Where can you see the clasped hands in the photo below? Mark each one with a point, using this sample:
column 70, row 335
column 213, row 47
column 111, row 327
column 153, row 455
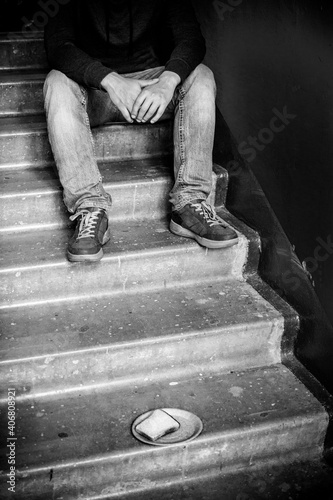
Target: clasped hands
column 141, row 100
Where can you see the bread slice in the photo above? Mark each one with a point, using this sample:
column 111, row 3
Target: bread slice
column 156, row 425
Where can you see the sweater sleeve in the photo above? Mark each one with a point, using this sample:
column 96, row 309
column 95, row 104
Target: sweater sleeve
column 65, row 56
column 190, row 47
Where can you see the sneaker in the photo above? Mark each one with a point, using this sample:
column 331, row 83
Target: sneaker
column 91, row 232
column 199, row 221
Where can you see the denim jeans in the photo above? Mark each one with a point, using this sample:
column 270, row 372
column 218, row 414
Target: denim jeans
column 72, row 111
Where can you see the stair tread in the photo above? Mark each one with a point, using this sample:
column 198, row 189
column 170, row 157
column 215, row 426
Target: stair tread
column 13, row 36
column 21, row 93
column 29, row 182
column 48, row 248
column 295, row 480
column 141, row 255
column 12, row 125
column 22, row 51
column 22, row 77
column 31, row 199
column 24, row 141
column 74, row 327
column 251, row 401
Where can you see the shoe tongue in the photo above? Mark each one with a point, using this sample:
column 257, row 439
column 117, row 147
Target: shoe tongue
column 195, row 202
column 95, row 209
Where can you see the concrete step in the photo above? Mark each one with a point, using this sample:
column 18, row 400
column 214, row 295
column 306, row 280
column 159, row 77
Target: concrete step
column 142, row 254
column 21, row 93
column 179, row 332
column 21, row 51
column 81, row 446
column 297, row 480
column 24, row 142
column 31, row 199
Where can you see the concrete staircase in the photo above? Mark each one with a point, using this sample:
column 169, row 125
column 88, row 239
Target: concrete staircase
column 160, row 322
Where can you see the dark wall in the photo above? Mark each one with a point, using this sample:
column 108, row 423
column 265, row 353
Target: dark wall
column 272, row 58
column 15, row 12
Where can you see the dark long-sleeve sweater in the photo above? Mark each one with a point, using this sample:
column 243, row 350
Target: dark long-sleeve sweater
column 88, row 39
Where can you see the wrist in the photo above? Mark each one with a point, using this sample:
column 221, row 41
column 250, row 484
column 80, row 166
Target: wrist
column 109, row 80
column 171, row 78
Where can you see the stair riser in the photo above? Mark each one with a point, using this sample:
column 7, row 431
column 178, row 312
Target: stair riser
column 21, row 99
column 114, row 142
column 150, row 468
column 45, row 208
column 130, row 201
column 174, row 358
column 22, row 53
column 118, row 275
column 24, row 149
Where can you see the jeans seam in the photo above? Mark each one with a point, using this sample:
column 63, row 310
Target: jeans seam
column 187, row 198
column 182, row 152
column 87, row 124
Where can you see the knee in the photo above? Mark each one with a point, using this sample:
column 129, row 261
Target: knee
column 204, row 77
column 59, row 91
column 54, row 80
column 57, row 85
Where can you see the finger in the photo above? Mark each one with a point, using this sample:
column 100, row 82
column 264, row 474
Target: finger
column 121, row 106
column 147, row 103
column 126, row 115
column 124, row 111
column 151, row 112
column 137, row 105
column 158, row 114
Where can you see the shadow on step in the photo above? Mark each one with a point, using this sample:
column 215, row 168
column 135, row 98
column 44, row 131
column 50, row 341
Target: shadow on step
column 310, row 336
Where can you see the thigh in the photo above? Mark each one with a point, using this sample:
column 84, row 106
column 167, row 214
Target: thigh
column 146, row 74
column 101, row 109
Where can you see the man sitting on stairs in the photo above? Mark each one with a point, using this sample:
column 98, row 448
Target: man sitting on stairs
column 139, row 61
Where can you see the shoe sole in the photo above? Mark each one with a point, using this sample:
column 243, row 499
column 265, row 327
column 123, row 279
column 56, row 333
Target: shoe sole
column 72, row 257
column 186, row 233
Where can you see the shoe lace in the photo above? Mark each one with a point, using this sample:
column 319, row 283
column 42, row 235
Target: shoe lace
column 208, row 213
column 88, row 222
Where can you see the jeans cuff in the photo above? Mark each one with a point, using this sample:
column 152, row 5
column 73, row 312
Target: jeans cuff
column 96, row 204
column 184, row 200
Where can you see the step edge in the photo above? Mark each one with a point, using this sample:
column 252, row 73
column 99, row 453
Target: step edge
column 10, row 36
column 57, row 190
column 184, row 245
column 181, row 248
column 164, row 339
column 50, row 163
column 22, row 78
column 236, row 434
column 76, row 298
